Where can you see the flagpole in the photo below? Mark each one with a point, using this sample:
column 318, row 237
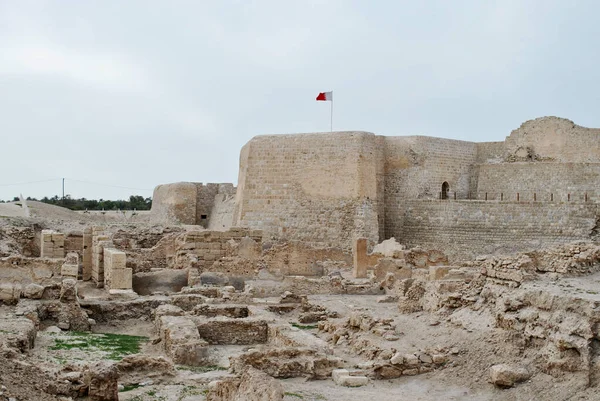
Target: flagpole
column 331, row 122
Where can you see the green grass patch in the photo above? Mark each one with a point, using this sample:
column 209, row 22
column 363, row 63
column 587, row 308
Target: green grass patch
column 294, row 395
column 116, row 345
column 304, row 327
column 189, row 391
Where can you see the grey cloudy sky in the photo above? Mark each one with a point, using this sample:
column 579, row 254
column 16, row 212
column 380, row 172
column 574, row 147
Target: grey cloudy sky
column 138, row 93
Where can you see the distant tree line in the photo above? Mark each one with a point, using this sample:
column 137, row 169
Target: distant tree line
column 136, row 202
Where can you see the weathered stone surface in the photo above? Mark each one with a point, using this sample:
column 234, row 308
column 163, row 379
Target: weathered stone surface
column 285, row 362
column 17, row 333
column 505, row 375
column 258, row 386
column 10, row 293
column 167, row 281
column 181, row 340
column 223, row 330
column 102, row 381
column 344, row 377
column 68, row 290
column 139, row 367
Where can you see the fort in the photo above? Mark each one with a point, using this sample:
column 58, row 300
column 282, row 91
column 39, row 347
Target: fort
column 340, row 267
column 537, row 187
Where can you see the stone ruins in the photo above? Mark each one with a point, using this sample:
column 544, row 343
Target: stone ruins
column 343, row 265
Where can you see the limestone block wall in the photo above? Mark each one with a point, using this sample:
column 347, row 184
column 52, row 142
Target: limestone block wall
column 221, row 217
column 175, row 203
column 207, row 197
column 206, row 247
column 188, row 202
column 74, row 242
column 116, row 275
column 100, row 240
column 416, row 168
column 87, row 254
column 541, row 178
column 490, row 152
column 465, row 229
column 71, row 266
column 318, row 188
column 52, row 244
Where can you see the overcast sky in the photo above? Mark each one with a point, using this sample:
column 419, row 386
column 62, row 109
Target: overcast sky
column 138, row 93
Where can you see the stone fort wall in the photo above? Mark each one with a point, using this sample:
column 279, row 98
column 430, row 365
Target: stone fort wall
column 542, row 178
column 193, row 203
column 465, row 229
column 322, row 189
column 327, row 189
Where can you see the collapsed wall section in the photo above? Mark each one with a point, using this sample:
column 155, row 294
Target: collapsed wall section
column 322, row 189
column 555, row 139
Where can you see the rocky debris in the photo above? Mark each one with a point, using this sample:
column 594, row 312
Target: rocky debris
column 226, row 331
column 17, row 333
column 70, row 316
column 256, row 385
column 404, row 363
column 344, row 377
column 10, row 293
column 33, row 291
column 68, row 291
column 573, row 259
column 505, row 375
column 290, row 298
column 133, row 369
column 396, row 267
column 187, row 302
column 418, row 258
column 167, row 310
column 233, row 311
column 312, row 313
column 252, row 385
column 207, row 291
column 107, row 311
column 101, row 379
column 390, row 248
column 286, row 362
column 163, row 281
column 410, row 300
column 181, row 340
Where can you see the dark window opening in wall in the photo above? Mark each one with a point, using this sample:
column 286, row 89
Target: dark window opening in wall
column 203, row 217
column 445, row 190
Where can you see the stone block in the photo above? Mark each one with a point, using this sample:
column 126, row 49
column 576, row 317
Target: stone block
column 69, row 270
column 343, row 377
column 360, row 258
column 121, row 279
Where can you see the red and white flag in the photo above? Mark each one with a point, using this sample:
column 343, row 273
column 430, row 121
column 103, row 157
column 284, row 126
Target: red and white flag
column 325, row 96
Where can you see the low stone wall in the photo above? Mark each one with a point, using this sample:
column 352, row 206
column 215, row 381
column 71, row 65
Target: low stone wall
column 224, row 330
column 207, row 247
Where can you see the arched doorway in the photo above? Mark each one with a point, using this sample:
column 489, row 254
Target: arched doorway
column 445, row 190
